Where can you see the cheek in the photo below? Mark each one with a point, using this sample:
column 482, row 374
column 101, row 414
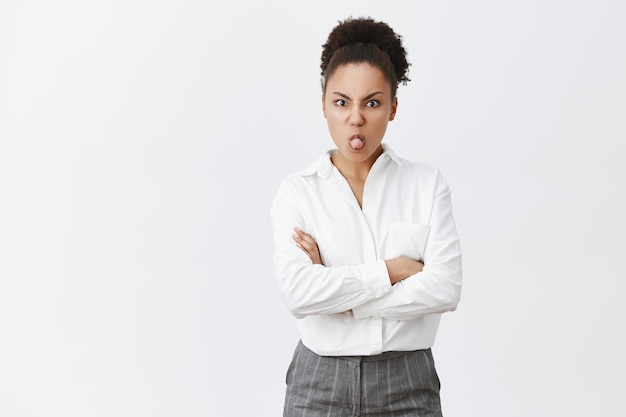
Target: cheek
column 332, row 110
column 382, row 121
column 333, row 117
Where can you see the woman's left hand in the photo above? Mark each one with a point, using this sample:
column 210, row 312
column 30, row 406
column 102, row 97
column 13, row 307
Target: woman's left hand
column 308, row 245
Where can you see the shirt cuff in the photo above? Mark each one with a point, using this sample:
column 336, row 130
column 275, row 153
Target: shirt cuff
column 376, row 277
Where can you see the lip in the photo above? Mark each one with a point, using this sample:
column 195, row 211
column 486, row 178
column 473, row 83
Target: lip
column 361, row 138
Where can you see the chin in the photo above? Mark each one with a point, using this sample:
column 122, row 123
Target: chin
column 358, row 156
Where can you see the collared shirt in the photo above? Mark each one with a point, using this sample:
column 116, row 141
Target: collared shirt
column 347, row 306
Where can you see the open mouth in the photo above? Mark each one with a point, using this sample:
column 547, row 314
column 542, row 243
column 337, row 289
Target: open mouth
column 357, row 142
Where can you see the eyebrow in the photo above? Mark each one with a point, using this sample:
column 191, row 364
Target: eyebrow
column 369, row 96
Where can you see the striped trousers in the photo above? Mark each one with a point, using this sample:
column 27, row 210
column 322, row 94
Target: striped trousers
column 392, row 384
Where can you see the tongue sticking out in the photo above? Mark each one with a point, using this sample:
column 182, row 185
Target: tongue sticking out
column 356, row 143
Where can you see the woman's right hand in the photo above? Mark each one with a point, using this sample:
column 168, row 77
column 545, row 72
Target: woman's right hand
column 402, row 267
column 308, row 245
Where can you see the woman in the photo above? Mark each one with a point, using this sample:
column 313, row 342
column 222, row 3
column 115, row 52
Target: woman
column 367, row 255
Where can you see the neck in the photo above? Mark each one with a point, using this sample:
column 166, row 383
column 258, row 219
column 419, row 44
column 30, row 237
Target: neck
column 355, row 169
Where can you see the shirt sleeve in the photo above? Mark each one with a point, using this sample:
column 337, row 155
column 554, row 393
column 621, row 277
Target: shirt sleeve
column 437, row 288
column 309, row 289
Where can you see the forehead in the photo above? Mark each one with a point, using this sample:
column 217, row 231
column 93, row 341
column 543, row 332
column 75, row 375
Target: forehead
column 357, row 79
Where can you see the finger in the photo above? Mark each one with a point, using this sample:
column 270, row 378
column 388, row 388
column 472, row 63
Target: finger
column 303, row 234
column 310, row 247
column 305, row 237
column 307, row 244
column 302, row 244
column 303, row 249
column 297, row 238
column 309, row 240
column 298, row 234
column 307, row 253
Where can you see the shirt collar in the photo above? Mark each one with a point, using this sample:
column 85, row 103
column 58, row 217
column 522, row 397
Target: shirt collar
column 323, row 166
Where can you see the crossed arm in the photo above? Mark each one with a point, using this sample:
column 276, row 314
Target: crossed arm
column 398, row 288
column 398, row 268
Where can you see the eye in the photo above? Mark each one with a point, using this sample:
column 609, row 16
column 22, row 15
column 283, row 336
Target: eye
column 341, row 102
column 373, row 103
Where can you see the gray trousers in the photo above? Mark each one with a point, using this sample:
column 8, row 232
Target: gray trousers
column 392, row 384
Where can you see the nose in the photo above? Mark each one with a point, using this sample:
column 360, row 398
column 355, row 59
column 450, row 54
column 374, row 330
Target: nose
column 356, row 118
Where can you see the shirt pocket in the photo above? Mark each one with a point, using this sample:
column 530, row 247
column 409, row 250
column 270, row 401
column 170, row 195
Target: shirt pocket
column 406, row 239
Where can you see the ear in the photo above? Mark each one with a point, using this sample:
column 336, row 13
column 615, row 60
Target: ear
column 324, row 105
column 394, row 108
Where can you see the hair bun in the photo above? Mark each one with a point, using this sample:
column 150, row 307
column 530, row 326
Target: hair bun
column 367, row 31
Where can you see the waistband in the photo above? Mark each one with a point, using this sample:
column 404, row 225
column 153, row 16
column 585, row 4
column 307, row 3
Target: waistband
column 392, row 354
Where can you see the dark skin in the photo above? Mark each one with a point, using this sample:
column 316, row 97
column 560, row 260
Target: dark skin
column 358, row 99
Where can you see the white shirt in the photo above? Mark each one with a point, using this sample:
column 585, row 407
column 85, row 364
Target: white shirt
column 348, row 306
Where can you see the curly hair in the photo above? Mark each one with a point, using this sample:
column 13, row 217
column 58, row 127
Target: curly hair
column 363, row 39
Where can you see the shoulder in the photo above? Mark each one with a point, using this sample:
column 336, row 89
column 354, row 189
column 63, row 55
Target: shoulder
column 320, row 168
column 420, row 168
column 299, row 181
column 411, row 167
column 422, row 175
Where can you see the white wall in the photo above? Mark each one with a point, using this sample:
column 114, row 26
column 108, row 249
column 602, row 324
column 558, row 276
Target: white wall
column 140, row 146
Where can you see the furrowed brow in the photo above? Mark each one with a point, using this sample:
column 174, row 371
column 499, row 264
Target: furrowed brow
column 372, row 95
column 342, row 95
column 366, row 98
